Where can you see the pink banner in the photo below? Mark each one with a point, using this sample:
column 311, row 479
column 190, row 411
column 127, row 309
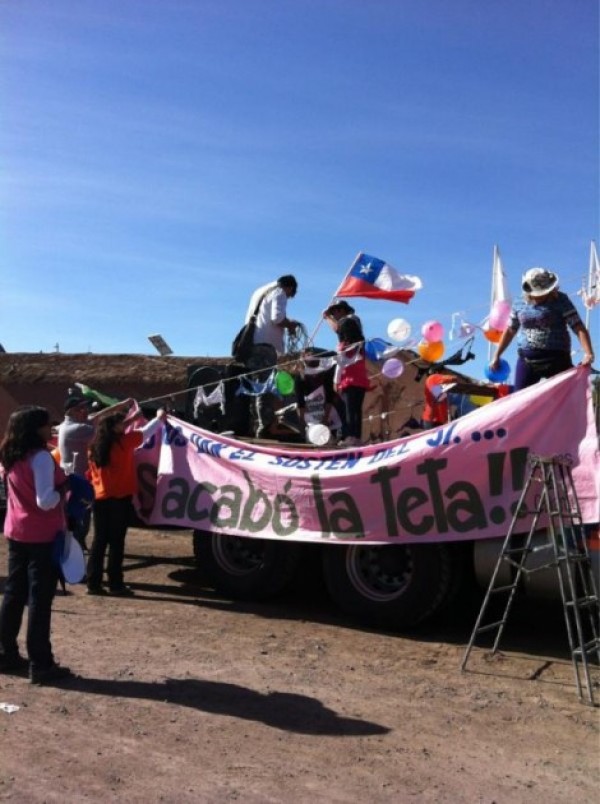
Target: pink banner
column 460, row 481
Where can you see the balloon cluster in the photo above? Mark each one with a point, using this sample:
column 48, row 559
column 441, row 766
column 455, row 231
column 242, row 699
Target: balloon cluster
column 431, row 348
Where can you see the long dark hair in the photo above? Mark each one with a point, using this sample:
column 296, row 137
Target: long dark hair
column 22, row 434
column 104, row 439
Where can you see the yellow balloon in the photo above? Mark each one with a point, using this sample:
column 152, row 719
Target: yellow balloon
column 431, row 352
column 480, row 400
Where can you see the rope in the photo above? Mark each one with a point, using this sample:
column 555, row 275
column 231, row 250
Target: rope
column 290, row 363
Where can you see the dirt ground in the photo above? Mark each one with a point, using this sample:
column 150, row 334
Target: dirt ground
column 185, row 696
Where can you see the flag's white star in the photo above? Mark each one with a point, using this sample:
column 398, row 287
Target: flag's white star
column 367, row 268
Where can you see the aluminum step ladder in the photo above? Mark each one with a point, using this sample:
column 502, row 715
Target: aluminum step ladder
column 549, row 482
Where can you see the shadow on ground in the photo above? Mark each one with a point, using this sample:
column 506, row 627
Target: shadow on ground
column 280, row 710
column 535, row 627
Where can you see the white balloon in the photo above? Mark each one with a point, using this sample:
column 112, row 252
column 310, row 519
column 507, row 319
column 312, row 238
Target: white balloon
column 399, row 329
column 318, row 434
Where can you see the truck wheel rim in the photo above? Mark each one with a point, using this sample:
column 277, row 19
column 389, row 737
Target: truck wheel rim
column 379, row 573
column 238, row 556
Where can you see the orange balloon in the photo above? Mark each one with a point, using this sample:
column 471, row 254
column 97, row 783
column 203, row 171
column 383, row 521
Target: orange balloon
column 431, row 351
column 493, row 335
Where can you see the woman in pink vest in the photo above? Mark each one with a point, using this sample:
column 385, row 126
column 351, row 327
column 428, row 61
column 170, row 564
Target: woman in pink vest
column 35, row 515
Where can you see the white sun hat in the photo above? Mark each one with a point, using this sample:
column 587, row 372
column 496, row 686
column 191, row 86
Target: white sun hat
column 538, row 282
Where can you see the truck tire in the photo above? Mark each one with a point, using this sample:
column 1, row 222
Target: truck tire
column 246, row 568
column 391, row 586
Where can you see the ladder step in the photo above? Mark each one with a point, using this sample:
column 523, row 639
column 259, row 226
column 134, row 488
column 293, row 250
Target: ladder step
column 582, row 602
column 573, row 558
column 483, row 628
column 588, row 647
column 498, row 589
column 508, row 551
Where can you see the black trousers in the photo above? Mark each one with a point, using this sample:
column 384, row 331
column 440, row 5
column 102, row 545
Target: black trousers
column 353, row 399
column 31, row 582
column 111, row 519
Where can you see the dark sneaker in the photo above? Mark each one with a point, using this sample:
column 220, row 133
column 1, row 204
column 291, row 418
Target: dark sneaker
column 96, row 590
column 49, row 675
column 14, row 665
column 121, row 591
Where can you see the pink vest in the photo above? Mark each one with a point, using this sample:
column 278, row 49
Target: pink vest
column 25, row 521
column 354, row 374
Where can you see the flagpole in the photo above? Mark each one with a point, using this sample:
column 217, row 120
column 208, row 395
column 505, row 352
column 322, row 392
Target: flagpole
column 311, row 337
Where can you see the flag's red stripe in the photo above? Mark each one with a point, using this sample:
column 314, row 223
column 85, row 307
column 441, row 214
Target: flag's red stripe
column 351, row 286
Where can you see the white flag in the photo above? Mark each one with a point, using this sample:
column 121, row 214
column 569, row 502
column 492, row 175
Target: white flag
column 500, row 291
column 591, row 294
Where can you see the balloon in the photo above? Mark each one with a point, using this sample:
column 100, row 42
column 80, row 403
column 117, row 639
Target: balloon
column 499, row 315
column 375, row 348
column 493, row 335
column 479, row 401
column 399, row 329
column 284, row 383
column 501, row 374
column 431, row 351
column 432, row 331
column 392, row 368
column 318, row 434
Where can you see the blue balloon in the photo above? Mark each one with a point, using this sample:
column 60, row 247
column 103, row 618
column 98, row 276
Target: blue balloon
column 375, row 348
column 501, row 374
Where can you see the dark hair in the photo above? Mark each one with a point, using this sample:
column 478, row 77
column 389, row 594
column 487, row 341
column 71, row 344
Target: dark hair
column 288, row 281
column 340, row 306
column 22, row 434
column 104, row 439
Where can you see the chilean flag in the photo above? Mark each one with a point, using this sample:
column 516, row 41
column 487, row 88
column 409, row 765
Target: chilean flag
column 375, row 279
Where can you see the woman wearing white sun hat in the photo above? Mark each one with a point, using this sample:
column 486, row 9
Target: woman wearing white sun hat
column 542, row 320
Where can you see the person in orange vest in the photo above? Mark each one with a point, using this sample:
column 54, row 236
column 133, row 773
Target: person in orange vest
column 436, row 409
column 112, row 474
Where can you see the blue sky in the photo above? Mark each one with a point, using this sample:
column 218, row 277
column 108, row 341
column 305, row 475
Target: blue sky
column 162, row 158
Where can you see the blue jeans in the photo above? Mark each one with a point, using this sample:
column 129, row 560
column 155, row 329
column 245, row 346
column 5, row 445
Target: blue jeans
column 263, row 361
column 32, row 577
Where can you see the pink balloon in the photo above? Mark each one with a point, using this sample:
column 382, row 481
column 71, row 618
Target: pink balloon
column 432, row 331
column 392, row 368
column 499, row 315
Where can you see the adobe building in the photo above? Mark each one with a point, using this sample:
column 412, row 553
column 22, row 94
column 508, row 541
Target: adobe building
column 391, row 407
